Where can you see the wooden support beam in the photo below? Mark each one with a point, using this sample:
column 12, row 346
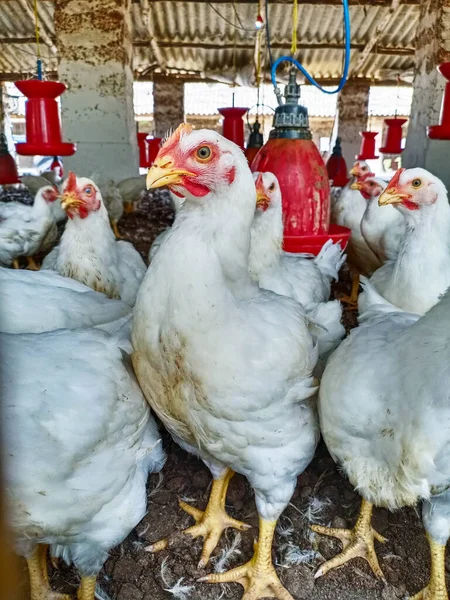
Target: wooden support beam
column 147, row 18
column 390, row 16
column 369, row 3
column 278, row 45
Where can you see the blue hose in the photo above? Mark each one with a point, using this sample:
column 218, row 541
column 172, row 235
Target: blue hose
column 311, row 79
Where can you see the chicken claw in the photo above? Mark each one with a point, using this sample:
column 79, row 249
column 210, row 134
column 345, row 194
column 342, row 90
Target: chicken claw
column 357, row 542
column 210, row 523
column 39, row 585
column 352, row 300
column 32, row 266
column 436, row 589
column 258, row 577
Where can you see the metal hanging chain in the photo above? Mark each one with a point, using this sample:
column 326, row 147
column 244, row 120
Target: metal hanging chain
column 38, row 44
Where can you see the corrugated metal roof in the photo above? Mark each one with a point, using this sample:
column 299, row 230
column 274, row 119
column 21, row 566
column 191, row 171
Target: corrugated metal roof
column 196, row 37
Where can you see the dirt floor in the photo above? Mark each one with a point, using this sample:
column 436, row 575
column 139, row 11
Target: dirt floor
column 322, row 496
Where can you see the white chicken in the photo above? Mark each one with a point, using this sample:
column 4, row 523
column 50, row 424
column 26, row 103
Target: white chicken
column 27, row 230
column 383, row 228
column 131, row 190
column 226, row 366
column 420, row 274
column 35, row 182
column 348, row 211
column 88, row 250
column 79, row 444
column 307, row 280
column 112, row 199
column 176, row 203
column 34, row 302
column 385, row 417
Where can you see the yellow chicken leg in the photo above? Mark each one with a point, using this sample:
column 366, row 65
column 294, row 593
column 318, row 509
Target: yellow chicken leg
column 258, row 577
column 128, row 207
column 436, row 589
column 16, row 263
column 210, row 523
column 356, row 542
column 86, row 591
column 116, row 230
column 32, row 266
column 352, row 300
column 39, row 585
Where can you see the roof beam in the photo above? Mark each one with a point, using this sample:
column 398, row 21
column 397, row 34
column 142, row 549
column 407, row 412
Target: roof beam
column 389, row 17
column 403, row 51
column 147, row 18
column 375, row 3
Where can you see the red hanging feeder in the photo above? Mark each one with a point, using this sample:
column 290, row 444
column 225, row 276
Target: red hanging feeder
column 233, row 124
column 337, row 167
column 394, row 134
column 57, row 166
column 153, row 146
column 42, row 121
column 293, row 157
column 8, row 167
column 442, row 131
column 367, row 150
column 143, row 149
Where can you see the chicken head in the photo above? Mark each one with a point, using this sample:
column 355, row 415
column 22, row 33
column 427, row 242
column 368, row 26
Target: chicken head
column 194, row 164
column 81, row 197
column 412, row 190
column 268, row 193
column 49, row 193
column 359, row 169
column 370, row 187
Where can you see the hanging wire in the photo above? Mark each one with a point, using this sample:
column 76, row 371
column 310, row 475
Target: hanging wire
column 269, row 47
column 294, row 28
column 38, row 44
column 397, row 100
column 227, row 20
column 311, row 79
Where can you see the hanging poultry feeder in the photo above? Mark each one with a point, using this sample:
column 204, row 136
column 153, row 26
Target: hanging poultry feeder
column 394, row 134
column 442, row 131
column 337, row 167
column 8, row 167
column 233, row 124
column 367, row 150
column 293, row 157
column 143, row 150
column 255, row 142
column 153, row 146
column 57, row 167
column 42, row 120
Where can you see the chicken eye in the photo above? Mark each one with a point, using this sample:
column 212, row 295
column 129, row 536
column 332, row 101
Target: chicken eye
column 88, row 190
column 416, row 183
column 204, row 153
column 271, row 187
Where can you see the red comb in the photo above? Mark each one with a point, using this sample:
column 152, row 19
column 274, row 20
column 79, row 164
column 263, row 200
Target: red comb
column 259, row 181
column 174, row 138
column 395, row 180
column 71, row 182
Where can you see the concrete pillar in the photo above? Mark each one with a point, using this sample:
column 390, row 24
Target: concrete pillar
column 432, row 48
column 352, row 114
column 95, row 55
column 168, row 104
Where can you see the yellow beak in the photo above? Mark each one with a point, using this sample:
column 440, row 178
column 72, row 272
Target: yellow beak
column 70, row 200
column 354, row 171
column 163, row 173
column 262, row 199
column 356, row 186
column 391, row 196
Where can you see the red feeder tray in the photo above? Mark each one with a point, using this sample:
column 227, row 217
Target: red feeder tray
column 312, row 244
column 153, row 146
column 393, row 141
column 233, row 124
column 42, row 121
column 8, row 167
column 367, row 150
column 442, row 131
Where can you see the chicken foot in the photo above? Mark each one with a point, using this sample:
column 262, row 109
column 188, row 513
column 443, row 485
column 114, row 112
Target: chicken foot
column 86, row 591
column 352, row 300
column 210, row 523
column 436, row 589
column 39, row 582
column 32, row 266
column 16, row 263
column 356, row 542
column 258, row 577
